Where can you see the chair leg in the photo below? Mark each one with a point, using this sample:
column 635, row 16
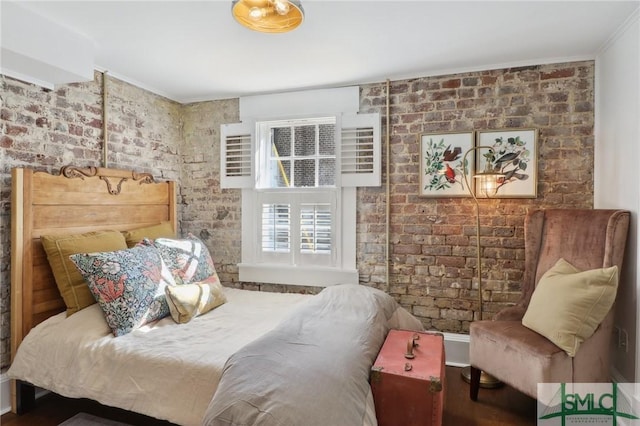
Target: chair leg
column 475, row 383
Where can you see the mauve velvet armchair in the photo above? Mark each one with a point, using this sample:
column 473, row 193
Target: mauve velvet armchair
column 522, row 358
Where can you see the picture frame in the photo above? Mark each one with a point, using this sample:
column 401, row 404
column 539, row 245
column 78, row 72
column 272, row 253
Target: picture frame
column 515, row 154
column 441, row 168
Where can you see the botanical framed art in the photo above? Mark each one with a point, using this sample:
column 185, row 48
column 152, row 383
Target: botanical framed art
column 514, row 154
column 441, row 164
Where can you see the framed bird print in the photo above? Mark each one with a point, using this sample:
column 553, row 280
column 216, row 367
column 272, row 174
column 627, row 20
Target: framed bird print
column 513, row 153
column 442, row 166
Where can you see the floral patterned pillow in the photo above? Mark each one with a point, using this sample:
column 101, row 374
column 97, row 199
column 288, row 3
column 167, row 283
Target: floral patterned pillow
column 127, row 284
column 188, row 259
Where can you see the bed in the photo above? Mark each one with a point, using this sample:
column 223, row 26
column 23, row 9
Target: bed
column 260, row 358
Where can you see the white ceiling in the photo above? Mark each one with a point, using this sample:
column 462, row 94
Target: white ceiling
column 194, row 50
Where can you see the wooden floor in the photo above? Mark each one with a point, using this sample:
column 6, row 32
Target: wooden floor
column 502, row 406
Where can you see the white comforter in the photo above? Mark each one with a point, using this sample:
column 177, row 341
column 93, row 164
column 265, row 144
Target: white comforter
column 165, row 370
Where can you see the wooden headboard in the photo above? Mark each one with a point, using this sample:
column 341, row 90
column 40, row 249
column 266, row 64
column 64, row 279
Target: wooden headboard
column 74, row 201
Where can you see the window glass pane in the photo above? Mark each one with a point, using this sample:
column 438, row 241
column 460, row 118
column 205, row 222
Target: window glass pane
column 305, row 173
column 276, row 227
column 327, row 142
column 281, row 141
column 300, row 154
column 315, row 228
column 280, row 174
column 305, row 141
column 327, row 172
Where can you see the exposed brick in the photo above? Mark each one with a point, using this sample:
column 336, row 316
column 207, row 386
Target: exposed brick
column 42, row 122
column 75, row 130
column 451, row 84
column 470, row 81
column 486, row 92
column 489, row 79
column 442, row 95
column 6, row 114
column 583, row 106
column 558, row 97
column 5, row 141
column 411, row 118
column 560, row 73
column 466, row 93
column 12, row 130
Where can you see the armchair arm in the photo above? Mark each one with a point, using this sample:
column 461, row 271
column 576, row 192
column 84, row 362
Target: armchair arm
column 512, row 313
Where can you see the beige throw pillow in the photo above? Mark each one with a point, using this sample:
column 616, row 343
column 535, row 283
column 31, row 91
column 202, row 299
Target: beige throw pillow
column 73, row 288
column 187, row 301
column 568, row 305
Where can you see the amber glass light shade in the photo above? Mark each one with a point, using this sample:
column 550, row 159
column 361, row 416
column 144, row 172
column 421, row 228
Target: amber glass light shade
column 268, row 16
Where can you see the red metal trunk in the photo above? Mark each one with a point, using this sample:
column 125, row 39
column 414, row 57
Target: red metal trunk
column 407, row 379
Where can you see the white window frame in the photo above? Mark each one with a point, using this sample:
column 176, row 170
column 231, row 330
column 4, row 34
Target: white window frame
column 358, row 158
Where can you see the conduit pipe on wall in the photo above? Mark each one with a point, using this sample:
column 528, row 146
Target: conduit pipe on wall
column 105, row 138
column 388, row 195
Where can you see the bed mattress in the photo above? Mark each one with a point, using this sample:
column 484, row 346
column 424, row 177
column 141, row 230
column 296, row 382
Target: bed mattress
column 165, row 370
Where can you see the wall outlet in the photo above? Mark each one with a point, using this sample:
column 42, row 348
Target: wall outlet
column 623, row 339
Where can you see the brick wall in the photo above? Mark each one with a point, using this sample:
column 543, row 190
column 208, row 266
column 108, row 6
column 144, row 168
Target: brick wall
column 433, row 251
column 210, row 213
column 432, row 240
column 44, row 130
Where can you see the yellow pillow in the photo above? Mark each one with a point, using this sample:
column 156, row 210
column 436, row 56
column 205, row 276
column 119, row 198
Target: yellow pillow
column 161, row 230
column 187, row 301
column 568, row 305
column 73, row 288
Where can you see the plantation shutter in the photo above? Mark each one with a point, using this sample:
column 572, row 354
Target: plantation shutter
column 360, row 149
column 236, row 155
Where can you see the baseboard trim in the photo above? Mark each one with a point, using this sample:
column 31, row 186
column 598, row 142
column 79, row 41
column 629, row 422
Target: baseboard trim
column 5, row 393
column 616, row 376
column 456, row 347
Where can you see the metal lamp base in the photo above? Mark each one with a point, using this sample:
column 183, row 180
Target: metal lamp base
column 487, row 381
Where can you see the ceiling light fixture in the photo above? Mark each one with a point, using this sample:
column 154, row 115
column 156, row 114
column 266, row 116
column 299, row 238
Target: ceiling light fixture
column 268, row 16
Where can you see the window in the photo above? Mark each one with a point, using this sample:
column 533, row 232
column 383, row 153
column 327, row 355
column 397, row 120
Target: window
column 298, row 180
column 297, row 192
column 298, row 154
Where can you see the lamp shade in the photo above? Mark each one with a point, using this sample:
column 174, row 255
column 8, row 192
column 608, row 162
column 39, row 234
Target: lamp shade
column 487, row 183
column 268, row 16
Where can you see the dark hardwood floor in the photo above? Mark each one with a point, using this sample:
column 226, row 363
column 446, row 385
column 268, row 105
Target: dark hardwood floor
column 502, row 406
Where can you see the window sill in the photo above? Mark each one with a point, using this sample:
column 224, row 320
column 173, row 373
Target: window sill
column 296, row 275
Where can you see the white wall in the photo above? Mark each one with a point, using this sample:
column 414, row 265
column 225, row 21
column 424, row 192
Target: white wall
column 617, row 171
column 40, row 51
